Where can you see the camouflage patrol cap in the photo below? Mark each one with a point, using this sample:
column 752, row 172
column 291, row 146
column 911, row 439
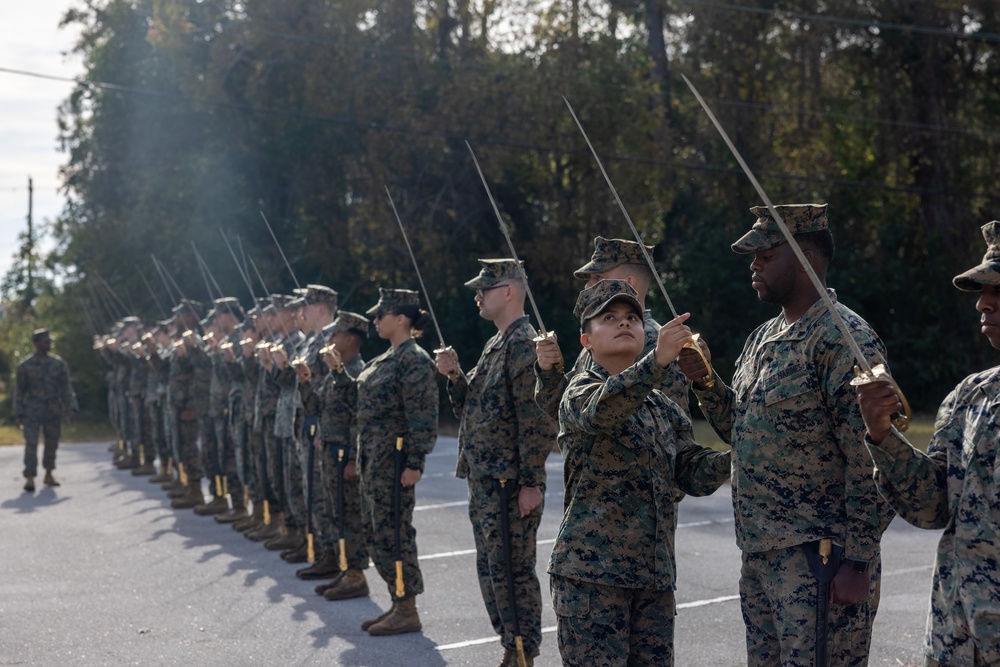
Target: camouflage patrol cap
column 765, row 234
column 39, row 334
column 988, row 272
column 313, row 294
column 609, row 253
column 230, row 305
column 347, row 322
column 131, row 321
column 391, row 299
column 593, row 300
column 193, row 307
column 281, row 301
column 495, row 270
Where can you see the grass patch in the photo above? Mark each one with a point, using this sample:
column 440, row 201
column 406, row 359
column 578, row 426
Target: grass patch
column 78, row 431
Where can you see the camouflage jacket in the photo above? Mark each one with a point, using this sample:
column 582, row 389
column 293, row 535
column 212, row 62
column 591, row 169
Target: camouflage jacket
column 800, row 469
column 338, row 395
column 955, row 486
column 398, row 397
column 627, row 450
column 502, row 434
column 311, row 402
column 179, row 379
column 218, row 386
column 201, row 379
column 137, row 378
column 42, row 388
column 550, row 385
column 289, row 403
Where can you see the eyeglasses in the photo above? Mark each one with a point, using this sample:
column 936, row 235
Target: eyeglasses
column 482, row 290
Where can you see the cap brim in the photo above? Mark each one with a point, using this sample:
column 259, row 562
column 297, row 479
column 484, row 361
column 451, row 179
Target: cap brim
column 479, row 282
column 597, row 310
column 754, row 241
column 987, row 273
column 592, row 267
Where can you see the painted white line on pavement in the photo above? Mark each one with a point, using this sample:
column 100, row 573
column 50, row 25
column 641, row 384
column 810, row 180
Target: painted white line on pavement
column 466, row 552
column 457, row 503
column 702, row 603
column 908, row 570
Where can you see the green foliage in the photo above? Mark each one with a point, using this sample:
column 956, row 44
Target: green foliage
column 308, row 110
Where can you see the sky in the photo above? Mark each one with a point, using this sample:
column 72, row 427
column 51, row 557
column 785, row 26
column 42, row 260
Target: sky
column 31, row 40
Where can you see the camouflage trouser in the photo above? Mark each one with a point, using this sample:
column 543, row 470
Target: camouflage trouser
column 606, row 626
column 226, row 457
column 209, row 450
column 778, row 595
column 144, row 430
column 295, row 495
column 484, row 513
column 256, row 464
column 377, row 482
column 187, row 443
column 157, row 432
column 275, row 466
column 51, row 427
column 328, row 520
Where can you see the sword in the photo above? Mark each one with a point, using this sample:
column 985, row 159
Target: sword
column 341, row 523
column 280, row 250
column 310, row 426
column 863, row 371
column 416, row 268
column 510, row 244
column 709, row 378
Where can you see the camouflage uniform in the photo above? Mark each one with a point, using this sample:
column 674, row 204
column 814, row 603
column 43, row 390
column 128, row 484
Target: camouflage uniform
column 627, row 450
column 550, row 384
column 338, row 396
column 142, row 445
column 183, row 400
column 201, row 396
column 397, row 398
column 155, row 390
column 955, row 486
column 800, row 472
column 287, row 422
column 503, row 435
column 43, row 395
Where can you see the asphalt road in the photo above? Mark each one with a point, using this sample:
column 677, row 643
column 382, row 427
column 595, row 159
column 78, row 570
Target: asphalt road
column 101, row 571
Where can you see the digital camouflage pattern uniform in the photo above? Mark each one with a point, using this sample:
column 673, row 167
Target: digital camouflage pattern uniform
column 956, row 486
column 550, row 384
column 180, row 387
column 628, row 449
column 338, row 395
column 800, row 470
column 397, row 398
column 287, row 421
column 503, row 435
column 43, row 395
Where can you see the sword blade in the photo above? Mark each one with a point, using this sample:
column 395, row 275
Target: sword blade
column 510, row 244
column 845, row 331
column 427, row 297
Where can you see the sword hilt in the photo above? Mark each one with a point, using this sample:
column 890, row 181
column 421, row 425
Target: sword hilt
column 709, row 378
column 879, row 374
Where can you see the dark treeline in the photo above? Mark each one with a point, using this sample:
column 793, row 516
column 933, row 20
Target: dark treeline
column 196, row 115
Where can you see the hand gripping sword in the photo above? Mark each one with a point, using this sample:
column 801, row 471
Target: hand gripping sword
column 863, row 371
column 709, row 378
column 510, row 244
column 427, row 297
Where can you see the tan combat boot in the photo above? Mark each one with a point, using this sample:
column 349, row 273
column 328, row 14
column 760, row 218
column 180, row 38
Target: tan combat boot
column 366, row 625
column 251, row 521
column 146, row 468
column 29, row 484
column 163, row 477
column 402, row 619
column 352, row 584
column 290, row 538
column 218, row 505
column 510, row 659
column 50, row 480
column 191, row 498
column 268, row 531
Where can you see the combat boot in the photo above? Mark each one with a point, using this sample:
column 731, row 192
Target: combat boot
column 268, row 531
column 290, row 538
column 191, row 498
column 50, row 480
column 299, row 554
column 352, row 585
column 146, row 468
column 402, row 619
column 233, row 515
column 163, row 477
column 510, row 659
column 325, row 567
column 29, row 484
column 323, row 588
column 127, row 462
column 217, row 505
column 371, row 622
column 251, row 520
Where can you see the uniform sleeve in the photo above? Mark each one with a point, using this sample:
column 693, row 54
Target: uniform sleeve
column 340, row 412
column 535, row 430
column 914, row 483
column 549, row 388
column 418, row 386
column 592, row 407
column 68, row 396
column 866, row 514
column 20, row 387
column 457, row 391
column 699, row 470
column 717, row 406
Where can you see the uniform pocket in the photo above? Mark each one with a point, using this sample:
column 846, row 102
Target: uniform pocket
column 793, row 388
column 570, row 600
